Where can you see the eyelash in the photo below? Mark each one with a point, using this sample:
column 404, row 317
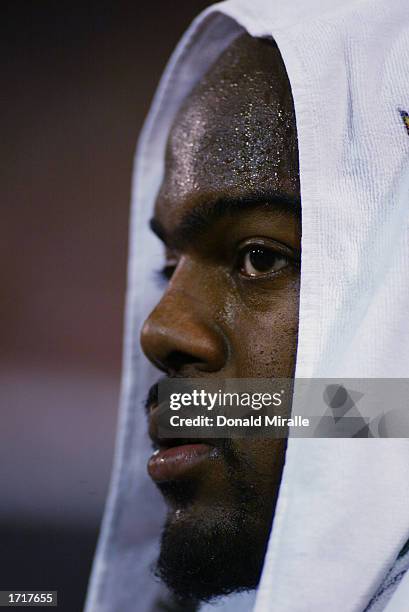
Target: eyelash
column 163, row 275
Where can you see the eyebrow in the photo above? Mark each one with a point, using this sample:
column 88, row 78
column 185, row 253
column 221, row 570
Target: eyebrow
column 198, row 220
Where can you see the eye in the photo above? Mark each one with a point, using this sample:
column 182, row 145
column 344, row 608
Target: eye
column 167, row 271
column 257, row 260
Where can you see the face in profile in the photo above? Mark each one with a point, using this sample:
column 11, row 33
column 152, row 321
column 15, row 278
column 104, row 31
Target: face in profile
column 228, row 213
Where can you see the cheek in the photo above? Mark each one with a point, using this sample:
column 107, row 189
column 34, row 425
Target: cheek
column 266, row 458
column 263, row 336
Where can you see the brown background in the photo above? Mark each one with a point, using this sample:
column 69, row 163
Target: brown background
column 76, row 82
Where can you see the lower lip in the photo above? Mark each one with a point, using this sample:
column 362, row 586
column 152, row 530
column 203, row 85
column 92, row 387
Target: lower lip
column 176, row 462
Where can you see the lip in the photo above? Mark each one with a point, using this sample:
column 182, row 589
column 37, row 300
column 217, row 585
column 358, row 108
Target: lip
column 177, row 461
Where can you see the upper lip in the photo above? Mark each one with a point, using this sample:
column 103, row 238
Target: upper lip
column 159, row 443
column 163, row 443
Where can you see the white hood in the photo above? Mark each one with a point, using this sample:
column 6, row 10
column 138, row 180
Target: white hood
column 343, row 509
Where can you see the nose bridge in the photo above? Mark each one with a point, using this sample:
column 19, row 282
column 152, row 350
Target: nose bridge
column 182, row 330
column 189, row 292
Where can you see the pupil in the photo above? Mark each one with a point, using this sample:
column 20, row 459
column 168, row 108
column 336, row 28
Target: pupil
column 262, row 259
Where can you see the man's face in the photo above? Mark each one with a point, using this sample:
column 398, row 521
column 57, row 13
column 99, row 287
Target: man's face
column 228, row 213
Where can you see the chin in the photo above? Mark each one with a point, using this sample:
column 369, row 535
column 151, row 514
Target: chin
column 210, row 551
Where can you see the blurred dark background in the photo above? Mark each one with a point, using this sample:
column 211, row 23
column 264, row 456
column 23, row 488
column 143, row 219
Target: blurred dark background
column 76, row 82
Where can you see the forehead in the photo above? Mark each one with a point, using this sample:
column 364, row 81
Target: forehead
column 235, row 135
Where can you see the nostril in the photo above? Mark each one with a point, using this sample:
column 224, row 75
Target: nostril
column 176, row 360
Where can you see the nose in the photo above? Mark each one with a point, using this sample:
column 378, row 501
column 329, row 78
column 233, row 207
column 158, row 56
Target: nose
column 179, row 338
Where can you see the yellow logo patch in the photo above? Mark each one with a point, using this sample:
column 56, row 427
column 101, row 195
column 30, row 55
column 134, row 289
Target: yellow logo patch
column 405, row 119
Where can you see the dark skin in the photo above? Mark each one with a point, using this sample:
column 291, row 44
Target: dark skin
column 230, row 308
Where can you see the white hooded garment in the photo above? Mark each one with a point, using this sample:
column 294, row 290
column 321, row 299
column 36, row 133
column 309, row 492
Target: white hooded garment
column 343, row 509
